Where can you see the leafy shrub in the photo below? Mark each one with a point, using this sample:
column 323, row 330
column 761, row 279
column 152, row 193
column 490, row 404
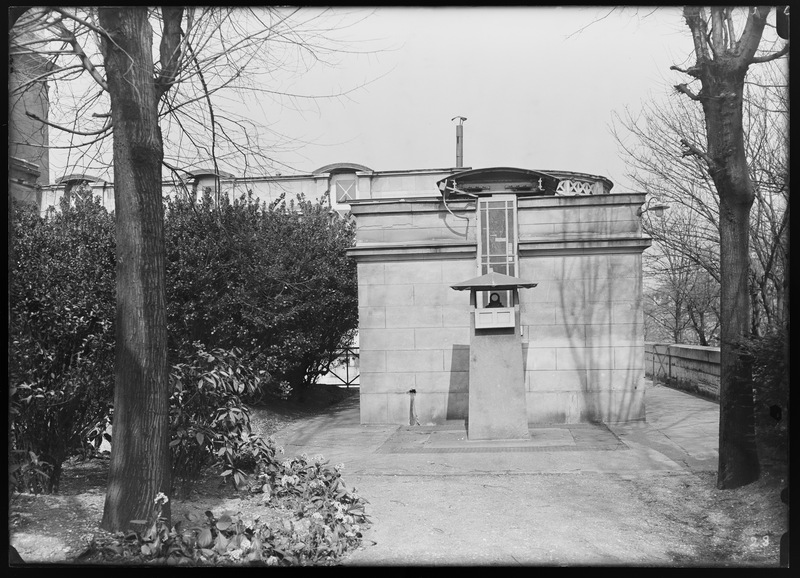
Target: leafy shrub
column 328, row 522
column 274, row 281
column 209, row 424
column 61, row 351
column 771, row 387
column 26, row 473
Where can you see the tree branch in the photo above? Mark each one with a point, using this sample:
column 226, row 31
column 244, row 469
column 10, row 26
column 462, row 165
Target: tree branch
column 170, row 54
column 211, row 114
column 691, row 71
column 731, row 31
column 688, row 149
column 70, row 38
column 80, row 21
column 718, row 29
column 105, row 128
column 751, row 35
column 682, row 88
column 695, row 19
column 768, row 57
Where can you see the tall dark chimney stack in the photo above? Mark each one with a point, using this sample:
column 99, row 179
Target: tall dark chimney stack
column 459, row 140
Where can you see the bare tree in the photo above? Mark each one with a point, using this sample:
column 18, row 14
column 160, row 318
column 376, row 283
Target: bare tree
column 649, row 142
column 689, row 231
column 722, row 61
column 233, row 63
column 766, row 113
column 712, row 164
column 149, row 107
column 681, row 300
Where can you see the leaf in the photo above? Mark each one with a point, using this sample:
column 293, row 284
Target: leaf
column 221, row 544
column 224, row 522
column 238, row 479
column 205, row 538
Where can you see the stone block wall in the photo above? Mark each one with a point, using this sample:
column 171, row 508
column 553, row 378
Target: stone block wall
column 582, row 326
column 414, row 333
column 414, row 330
column 583, row 338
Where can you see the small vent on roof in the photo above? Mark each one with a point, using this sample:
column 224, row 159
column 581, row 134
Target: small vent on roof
column 459, row 140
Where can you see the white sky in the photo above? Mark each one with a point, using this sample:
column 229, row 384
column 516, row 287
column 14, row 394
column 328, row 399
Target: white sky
column 537, row 85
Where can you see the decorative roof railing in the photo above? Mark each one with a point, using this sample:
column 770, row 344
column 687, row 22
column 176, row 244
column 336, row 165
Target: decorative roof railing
column 581, row 184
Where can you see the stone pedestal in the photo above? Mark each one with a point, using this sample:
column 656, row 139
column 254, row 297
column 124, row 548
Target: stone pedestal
column 497, row 408
column 497, row 401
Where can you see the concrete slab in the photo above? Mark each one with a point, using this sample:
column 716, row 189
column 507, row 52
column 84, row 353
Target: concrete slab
column 437, row 498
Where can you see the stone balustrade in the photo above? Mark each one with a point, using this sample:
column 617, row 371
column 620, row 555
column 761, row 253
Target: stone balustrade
column 691, row 368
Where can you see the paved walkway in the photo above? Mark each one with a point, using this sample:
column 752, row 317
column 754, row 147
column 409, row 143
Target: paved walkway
column 436, row 497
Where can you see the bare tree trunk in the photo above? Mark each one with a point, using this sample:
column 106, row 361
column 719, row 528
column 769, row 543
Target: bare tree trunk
column 140, row 464
column 738, row 458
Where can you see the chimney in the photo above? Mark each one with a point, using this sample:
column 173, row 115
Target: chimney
column 459, row 140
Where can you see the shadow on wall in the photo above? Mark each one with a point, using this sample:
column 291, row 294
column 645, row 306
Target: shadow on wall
column 598, row 294
column 458, row 393
column 458, row 225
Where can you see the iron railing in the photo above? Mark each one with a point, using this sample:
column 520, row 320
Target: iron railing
column 345, row 370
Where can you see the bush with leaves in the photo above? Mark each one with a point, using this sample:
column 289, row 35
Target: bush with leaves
column 61, row 349
column 209, row 423
column 771, row 387
column 327, row 523
column 273, row 280
column 26, row 473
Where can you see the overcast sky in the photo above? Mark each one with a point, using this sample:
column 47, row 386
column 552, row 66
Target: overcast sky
column 538, row 87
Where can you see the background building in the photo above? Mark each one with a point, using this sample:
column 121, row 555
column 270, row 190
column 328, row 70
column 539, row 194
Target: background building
column 28, row 158
column 420, row 231
column 582, row 326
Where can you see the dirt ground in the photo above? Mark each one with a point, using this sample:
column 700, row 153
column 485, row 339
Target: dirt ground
column 672, row 519
column 740, row 527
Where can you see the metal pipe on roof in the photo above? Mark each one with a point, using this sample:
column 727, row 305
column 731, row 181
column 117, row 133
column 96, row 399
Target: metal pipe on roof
column 459, row 140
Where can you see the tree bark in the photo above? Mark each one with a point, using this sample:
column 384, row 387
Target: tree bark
column 738, row 457
column 140, row 459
